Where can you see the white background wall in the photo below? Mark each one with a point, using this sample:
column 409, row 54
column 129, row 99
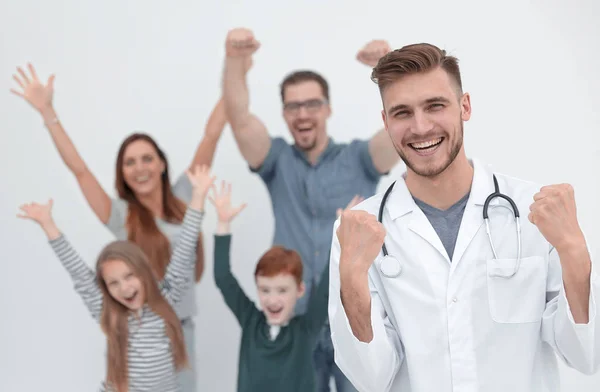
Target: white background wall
column 531, row 67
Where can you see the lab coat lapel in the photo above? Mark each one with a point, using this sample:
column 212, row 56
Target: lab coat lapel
column 421, row 226
column 472, row 221
column 401, row 203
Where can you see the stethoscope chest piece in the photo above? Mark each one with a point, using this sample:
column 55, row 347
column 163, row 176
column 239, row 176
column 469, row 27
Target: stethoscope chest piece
column 390, row 266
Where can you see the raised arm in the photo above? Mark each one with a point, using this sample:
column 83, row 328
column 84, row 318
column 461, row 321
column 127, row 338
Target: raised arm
column 84, row 279
column 205, row 152
column 237, row 301
column 316, row 314
column 382, row 150
column 250, row 133
column 40, row 98
column 177, row 276
column 570, row 323
column 368, row 349
column 204, row 155
column 317, row 305
column 233, row 294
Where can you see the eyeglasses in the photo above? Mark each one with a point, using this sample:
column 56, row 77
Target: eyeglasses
column 312, row 105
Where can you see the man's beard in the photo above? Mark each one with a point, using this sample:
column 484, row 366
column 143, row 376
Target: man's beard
column 306, row 147
column 435, row 171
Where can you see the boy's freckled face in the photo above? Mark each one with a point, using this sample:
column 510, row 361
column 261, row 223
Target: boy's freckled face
column 277, row 297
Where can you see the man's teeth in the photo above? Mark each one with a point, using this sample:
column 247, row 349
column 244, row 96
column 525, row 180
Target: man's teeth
column 427, row 143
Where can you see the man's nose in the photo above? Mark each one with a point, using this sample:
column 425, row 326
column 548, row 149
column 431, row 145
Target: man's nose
column 422, row 123
column 303, row 112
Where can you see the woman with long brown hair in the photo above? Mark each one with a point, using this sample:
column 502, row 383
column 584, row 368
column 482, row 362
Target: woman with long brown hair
column 145, row 342
column 148, row 209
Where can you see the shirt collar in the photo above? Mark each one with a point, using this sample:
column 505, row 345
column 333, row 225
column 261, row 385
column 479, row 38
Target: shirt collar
column 331, row 147
column 401, row 201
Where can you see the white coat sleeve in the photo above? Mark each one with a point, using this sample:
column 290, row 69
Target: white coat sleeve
column 578, row 345
column 371, row 367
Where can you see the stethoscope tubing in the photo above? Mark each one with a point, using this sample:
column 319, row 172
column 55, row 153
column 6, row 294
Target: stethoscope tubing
column 391, row 267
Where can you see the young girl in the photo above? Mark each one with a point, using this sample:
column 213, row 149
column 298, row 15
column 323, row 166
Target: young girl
column 145, row 344
column 149, row 210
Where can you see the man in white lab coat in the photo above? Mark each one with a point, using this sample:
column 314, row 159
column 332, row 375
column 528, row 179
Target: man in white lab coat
column 457, row 318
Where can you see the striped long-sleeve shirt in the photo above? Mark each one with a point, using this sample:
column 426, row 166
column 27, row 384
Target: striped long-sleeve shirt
column 150, row 359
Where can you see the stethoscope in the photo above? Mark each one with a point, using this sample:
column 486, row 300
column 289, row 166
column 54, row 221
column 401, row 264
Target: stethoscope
column 391, row 267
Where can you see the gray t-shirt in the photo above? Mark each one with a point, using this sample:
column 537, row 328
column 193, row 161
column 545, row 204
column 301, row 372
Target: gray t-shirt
column 116, row 224
column 446, row 223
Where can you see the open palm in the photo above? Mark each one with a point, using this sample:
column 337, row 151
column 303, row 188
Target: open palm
column 32, row 90
column 41, row 213
column 201, row 179
column 222, row 202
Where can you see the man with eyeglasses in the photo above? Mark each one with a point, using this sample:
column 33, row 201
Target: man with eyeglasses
column 311, row 180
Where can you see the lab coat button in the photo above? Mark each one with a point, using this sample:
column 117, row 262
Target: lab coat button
column 454, row 299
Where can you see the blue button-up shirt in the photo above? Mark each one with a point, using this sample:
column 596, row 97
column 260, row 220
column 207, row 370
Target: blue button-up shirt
column 305, row 197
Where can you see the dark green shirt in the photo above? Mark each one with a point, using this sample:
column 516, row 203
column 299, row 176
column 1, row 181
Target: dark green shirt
column 283, row 364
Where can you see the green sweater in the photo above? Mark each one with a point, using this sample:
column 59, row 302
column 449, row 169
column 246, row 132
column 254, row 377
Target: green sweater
column 286, row 363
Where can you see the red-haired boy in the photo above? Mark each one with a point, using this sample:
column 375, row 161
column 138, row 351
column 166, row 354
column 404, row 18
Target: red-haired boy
column 276, row 347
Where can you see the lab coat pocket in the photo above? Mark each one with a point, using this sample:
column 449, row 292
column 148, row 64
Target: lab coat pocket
column 520, row 298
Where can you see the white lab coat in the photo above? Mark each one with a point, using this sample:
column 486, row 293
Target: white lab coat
column 446, row 326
